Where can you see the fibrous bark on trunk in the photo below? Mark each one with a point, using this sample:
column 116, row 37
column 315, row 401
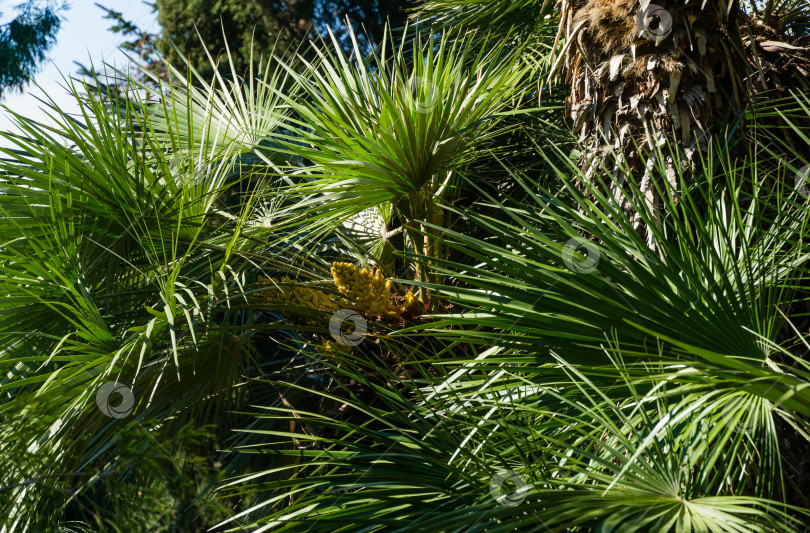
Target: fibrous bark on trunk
column 649, row 83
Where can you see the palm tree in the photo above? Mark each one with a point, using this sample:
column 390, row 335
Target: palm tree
column 119, row 265
column 389, row 135
column 650, row 85
column 577, row 382
column 185, row 253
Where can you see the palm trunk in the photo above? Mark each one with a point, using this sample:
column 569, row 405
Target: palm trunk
column 648, row 85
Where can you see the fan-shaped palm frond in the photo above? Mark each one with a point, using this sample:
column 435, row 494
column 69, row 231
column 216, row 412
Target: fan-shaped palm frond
column 119, row 264
column 563, row 278
column 384, row 130
column 610, row 447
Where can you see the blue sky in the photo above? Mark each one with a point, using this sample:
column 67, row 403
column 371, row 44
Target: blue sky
column 83, row 36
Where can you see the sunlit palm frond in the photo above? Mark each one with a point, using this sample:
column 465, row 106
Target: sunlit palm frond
column 395, row 128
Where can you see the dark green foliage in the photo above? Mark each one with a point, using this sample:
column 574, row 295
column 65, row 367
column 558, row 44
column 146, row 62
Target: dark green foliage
column 254, row 29
column 24, row 42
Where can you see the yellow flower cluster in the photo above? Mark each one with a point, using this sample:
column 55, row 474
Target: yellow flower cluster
column 370, row 292
column 293, row 294
column 410, row 300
